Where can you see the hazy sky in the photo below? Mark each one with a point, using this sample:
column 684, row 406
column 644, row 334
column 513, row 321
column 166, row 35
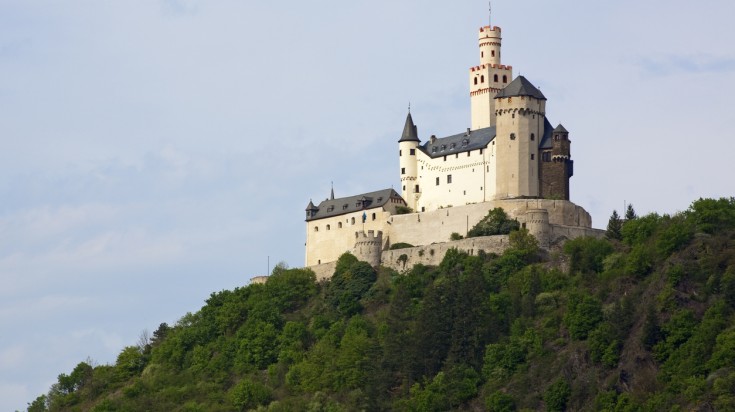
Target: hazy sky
column 153, row 152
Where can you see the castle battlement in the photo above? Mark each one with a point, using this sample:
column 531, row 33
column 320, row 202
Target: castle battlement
column 491, row 66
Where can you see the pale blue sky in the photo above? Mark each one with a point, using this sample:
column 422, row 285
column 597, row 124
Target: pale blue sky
column 154, row 152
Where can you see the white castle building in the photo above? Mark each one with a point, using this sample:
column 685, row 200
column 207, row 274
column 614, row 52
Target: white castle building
column 510, row 157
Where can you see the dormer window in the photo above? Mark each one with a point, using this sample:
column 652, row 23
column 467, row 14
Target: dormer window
column 452, row 146
column 344, row 206
column 444, row 147
column 330, row 208
column 433, row 149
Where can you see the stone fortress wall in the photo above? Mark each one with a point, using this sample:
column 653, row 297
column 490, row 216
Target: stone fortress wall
column 550, row 221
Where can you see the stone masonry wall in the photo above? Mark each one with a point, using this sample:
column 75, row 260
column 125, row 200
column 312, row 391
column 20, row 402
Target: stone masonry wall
column 433, row 254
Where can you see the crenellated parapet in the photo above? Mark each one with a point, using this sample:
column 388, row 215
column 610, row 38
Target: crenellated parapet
column 369, row 246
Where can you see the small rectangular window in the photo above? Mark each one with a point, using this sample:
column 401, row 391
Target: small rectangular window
column 532, row 156
column 416, row 189
column 449, row 178
column 437, row 181
column 413, row 152
column 403, row 170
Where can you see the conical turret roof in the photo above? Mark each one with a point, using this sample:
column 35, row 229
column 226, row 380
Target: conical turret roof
column 560, row 129
column 311, row 206
column 521, row 87
column 410, row 134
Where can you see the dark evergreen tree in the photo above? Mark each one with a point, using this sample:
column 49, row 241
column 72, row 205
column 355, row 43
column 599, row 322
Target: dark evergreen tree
column 630, row 213
column 613, row 226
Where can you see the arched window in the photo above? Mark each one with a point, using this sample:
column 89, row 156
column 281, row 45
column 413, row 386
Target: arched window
column 475, row 80
column 316, row 228
column 329, row 227
column 339, row 225
column 505, row 79
column 482, row 79
column 495, row 78
column 482, row 54
column 533, row 137
column 373, row 216
column 492, row 53
column 352, row 221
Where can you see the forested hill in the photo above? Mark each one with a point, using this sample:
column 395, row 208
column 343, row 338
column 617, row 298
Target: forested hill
column 641, row 321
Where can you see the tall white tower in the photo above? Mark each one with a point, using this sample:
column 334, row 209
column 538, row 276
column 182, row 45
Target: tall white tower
column 487, row 79
column 407, row 148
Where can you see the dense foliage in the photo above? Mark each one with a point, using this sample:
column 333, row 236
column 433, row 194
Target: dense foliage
column 495, row 223
column 643, row 323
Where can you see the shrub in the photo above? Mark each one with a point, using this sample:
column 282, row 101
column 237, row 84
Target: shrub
column 400, row 245
column 557, row 396
column 587, row 254
column 495, row 223
column 583, row 316
column 499, row 402
column 403, row 210
column 455, row 236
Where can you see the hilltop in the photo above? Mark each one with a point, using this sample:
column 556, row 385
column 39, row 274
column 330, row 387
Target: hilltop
column 641, row 320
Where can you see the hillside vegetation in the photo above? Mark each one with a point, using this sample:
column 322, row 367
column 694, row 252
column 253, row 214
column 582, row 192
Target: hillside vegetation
column 642, row 321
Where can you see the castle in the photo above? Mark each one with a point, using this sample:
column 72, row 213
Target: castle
column 510, row 157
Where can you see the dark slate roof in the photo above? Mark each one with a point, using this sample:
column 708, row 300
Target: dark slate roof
column 545, row 142
column 410, row 133
column 560, row 129
column 458, row 143
column 344, row 205
column 520, row 87
column 310, row 206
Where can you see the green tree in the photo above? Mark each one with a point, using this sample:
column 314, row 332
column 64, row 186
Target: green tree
column 614, row 225
column 557, row 396
column 500, row 402
column 495, row 223
column 630, row 213
column 38, row 405
column 711, row 215
column 249, row 394
column 584, row 313
column 587, row 254
column 129, row 362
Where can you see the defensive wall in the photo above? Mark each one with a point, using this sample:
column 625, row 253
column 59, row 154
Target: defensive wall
column 550, row 221
column 432, row 255
column 438, row 225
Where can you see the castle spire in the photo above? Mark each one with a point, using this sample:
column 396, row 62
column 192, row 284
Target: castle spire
column 331, row 196
column 410, row 132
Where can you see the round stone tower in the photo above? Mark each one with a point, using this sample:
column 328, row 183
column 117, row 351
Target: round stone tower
column 537, row 223
column 368, row 247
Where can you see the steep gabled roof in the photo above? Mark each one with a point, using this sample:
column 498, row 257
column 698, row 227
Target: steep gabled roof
column 410, row 133
column 520, row 86
column 459, row 143
column 545, row 142
column 344, row 205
